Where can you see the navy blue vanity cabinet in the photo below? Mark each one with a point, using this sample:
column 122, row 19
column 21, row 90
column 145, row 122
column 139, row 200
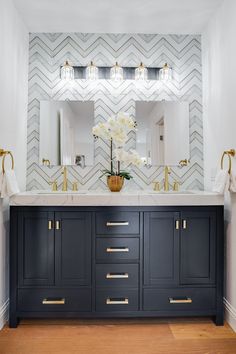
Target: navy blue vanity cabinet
column 36, row 248
column 116, row 262
column 73, row 248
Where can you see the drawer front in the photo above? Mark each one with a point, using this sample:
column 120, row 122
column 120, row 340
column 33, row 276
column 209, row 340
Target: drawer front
column 179, row 299
column 117, row 223
column 54, row 300
column 117, row 249
column 117, row 275
column 117, row 300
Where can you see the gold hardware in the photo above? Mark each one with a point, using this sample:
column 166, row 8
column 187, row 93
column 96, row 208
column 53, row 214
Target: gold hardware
column 118, row 223
column 65, row 182
column 54, row 302
column 176, row 186
column 188, row 300
column 117, row 301
column 3, row 154
column 176, row 224
column 117, row 276
column 157, row 186
column 184, row 162
column 75, row 186
column 184, row 224
column 116, row 249
column 166, row 180
column 230, row 153
column 57, row 225
column 49, row 224
column 46, row 162
column 54, row 186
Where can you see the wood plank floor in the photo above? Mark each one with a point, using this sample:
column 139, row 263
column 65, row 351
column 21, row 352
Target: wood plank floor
column 141, row 336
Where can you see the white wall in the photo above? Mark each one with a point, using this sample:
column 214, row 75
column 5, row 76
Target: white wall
column 13, row 120
column 219, row 92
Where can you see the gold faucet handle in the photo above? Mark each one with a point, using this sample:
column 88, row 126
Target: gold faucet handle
column 157, row 186
column 176, row 186
column 54, row 185
column 75, row 186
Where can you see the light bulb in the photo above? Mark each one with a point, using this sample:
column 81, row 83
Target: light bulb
column 116, row 73
column 165, row 74
column 91, row 72
column 141, row 73
column 67, row 72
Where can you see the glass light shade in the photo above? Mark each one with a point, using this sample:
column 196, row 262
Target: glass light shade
column 67, row 72
column 91, row 72
column 165, row 74
column 141, row 73
column 116, row 73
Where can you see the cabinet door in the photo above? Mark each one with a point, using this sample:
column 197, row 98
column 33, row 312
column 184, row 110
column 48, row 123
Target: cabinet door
column 161, row 248
column 198, row 248
column 73, row 248
column 36, row 248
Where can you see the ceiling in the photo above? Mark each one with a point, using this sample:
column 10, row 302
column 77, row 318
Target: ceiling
column 120, row 16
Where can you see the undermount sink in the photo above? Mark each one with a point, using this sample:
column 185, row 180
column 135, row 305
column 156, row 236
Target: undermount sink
column 171, row 192
column 61, row 192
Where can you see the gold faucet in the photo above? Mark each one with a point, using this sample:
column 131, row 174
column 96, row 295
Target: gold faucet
column 166, row 180
column 65, row 181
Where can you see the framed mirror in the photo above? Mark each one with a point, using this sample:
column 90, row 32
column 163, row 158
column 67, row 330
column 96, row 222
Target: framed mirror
column 162, row 137
column 66, row 133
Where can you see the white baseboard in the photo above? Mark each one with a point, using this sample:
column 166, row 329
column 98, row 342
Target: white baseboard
column 4, row 314
column 230, row 314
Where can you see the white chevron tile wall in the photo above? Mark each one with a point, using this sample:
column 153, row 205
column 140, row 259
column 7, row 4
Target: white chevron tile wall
column 49, row 50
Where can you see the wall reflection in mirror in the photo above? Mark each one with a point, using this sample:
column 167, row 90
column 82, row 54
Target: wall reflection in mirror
column 65, row 133
column 163, row 132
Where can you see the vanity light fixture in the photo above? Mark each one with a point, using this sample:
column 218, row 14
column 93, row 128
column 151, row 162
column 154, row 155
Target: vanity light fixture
column 116, row 72
column 165, row 73
column 67, row 72
column 92, row 72
column 141, row 73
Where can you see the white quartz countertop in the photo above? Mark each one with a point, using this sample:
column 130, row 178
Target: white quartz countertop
column 123, row 198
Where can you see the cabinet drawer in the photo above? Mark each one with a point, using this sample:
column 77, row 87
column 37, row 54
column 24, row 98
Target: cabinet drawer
column 54, row 300
column 117, row 223
column 117, row 249
column 117, row 300
column 121, row 275
column 179, row 299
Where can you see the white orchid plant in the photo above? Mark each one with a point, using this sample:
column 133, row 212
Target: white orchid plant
column 116, row 130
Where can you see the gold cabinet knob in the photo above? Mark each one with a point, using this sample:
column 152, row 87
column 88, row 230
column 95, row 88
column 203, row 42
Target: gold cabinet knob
column 75, row 186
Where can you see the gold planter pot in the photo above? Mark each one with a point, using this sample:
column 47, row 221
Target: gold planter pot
column 115, row 183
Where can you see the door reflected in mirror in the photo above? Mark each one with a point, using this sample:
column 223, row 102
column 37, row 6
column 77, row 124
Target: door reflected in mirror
column 66, row 133
column 162, row 137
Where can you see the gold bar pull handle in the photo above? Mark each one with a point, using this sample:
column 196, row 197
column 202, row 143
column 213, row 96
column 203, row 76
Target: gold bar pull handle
column 57, row 225
column 117, row 276
column 117, row 301
column 117, row 249
column 184, row 224
column 54, row 301
column 176, row 224
column 117, row 223
column 186, row 300
column 50, row 225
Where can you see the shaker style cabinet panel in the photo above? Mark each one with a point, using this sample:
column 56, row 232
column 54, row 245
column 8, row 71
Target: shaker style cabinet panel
column 35, row 248
column 73, row 248
column 198, row 248
column 161, row 248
